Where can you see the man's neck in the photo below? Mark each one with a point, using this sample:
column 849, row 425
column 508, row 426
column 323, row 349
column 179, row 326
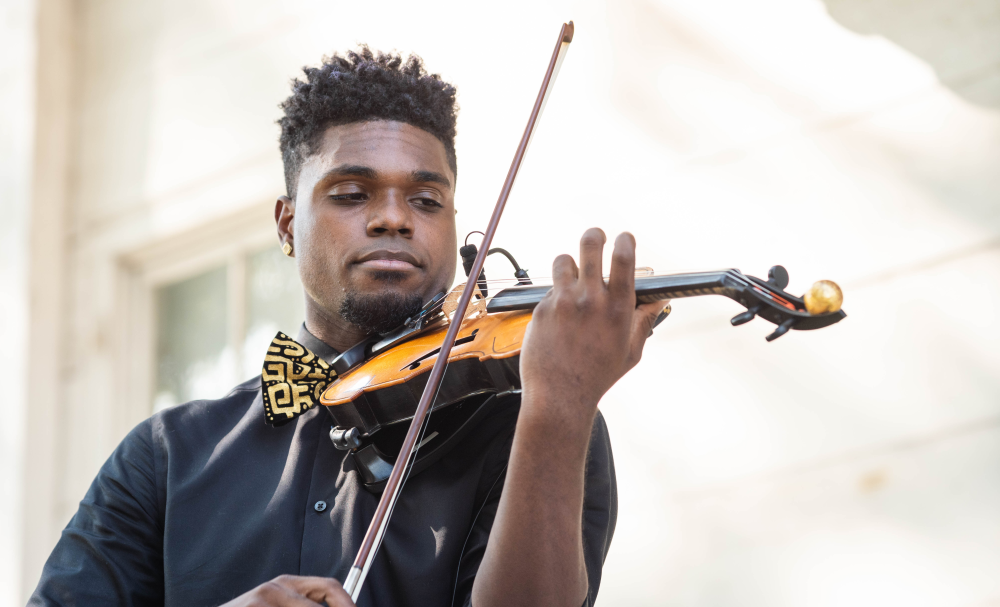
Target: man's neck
column 332, row 329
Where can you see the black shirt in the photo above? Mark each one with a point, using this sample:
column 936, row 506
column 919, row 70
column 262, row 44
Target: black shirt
column 203, row 502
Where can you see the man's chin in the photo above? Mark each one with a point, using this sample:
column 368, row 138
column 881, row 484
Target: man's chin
column 388, row 278
column 380, row 311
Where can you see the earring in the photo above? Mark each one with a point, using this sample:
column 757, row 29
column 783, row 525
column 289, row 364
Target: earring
column 287, row 249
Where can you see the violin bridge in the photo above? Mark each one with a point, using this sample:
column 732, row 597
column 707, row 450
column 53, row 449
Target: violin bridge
column 477, row 306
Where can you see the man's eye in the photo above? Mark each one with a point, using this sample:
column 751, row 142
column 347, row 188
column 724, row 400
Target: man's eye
column 354, row 196
column 429, row 202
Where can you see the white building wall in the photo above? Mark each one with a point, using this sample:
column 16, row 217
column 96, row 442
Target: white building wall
column 36, row 152
column 849, row 140
column 17, row 61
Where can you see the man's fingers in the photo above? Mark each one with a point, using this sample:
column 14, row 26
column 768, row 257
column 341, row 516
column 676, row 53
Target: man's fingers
column 318, row 589
column 642, row 323
column 564, row 272
column 622, row 281
column 648, row 312
column 276, row 594
column 591, row 254
column 331, row 592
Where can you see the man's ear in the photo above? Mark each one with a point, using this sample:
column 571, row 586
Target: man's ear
column 284, row 214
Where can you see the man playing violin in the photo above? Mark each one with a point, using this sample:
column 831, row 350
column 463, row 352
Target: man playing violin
column 205, row 504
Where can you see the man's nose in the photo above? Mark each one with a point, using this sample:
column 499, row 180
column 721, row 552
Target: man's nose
column 391, row 215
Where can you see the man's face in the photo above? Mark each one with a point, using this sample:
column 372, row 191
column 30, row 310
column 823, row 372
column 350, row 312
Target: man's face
column 374, row 217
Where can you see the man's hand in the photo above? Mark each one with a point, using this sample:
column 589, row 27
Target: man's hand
column 295, row 591
column 583, row 337
column 585, row 334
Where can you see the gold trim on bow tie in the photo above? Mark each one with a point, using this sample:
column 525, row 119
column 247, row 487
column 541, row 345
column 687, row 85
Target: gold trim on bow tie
column 292, row 380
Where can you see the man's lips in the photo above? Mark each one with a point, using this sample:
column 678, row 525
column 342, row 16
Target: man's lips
column 387, row 264
column 388, row 260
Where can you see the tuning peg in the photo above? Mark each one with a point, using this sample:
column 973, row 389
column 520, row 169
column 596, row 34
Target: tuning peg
column 781, row 330
column 745, row 317
column 778, row 276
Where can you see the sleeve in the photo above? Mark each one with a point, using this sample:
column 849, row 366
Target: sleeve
column 600, row 514
column 111, row 553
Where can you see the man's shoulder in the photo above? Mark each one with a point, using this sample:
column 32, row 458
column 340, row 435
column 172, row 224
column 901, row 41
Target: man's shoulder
column 237, row 402
column 196, row 425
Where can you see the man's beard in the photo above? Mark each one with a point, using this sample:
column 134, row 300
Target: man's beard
column 380, row 312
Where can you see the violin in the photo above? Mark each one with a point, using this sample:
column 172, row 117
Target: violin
column 389, row 373
column 460, row 354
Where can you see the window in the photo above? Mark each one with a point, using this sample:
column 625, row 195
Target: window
column 212, row 329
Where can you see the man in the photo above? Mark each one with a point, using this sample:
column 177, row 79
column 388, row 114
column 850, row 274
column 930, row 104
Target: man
column 205, row 504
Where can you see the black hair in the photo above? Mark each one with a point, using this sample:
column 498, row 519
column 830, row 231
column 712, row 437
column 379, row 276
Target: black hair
column 362, row 86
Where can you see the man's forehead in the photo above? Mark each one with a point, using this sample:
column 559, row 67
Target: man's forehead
column 386, row 146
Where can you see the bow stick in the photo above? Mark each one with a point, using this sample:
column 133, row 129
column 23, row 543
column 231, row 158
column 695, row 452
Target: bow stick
column 376, row 530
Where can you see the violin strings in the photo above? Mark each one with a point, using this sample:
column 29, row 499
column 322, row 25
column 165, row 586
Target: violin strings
column 490, row 281
column 537, row 281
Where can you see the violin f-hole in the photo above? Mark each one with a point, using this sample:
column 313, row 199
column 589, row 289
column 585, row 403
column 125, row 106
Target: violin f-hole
column 413, row 366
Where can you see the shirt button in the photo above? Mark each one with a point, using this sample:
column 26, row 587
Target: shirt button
column 319, row 506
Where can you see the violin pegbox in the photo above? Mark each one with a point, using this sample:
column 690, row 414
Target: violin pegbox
column 818, row 308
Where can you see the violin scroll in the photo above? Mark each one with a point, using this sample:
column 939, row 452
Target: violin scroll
column 823, row 297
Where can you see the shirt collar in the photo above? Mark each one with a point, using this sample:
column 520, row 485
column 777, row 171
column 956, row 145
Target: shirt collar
column 315, row 345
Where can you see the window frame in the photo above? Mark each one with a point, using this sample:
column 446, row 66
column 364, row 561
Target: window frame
column 225, row 241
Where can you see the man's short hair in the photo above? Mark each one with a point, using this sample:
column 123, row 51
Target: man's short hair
column 362, row 86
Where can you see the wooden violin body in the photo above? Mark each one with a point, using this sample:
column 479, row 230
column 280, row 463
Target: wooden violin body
column 387, row 387
column 384, row 386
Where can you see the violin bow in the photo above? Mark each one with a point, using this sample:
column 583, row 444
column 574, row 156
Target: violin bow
column 376, row 530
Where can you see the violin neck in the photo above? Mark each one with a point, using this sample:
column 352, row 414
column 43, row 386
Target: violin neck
column 677, row 286
column 647, row 289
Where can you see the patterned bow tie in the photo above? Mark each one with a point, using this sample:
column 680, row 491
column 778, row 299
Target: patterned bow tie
column 292, row 380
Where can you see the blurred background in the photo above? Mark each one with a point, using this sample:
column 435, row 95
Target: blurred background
column 852, row 140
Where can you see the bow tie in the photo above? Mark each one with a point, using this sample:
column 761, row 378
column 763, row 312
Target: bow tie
column 292, row 380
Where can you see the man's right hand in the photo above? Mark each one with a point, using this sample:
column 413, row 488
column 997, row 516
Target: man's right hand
column 295, row 591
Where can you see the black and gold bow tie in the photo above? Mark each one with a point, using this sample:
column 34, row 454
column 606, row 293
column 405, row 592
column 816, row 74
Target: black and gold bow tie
column 292, row 380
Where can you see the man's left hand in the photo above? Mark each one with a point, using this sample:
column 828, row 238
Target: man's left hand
column 583, row 337
column 585, row 334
